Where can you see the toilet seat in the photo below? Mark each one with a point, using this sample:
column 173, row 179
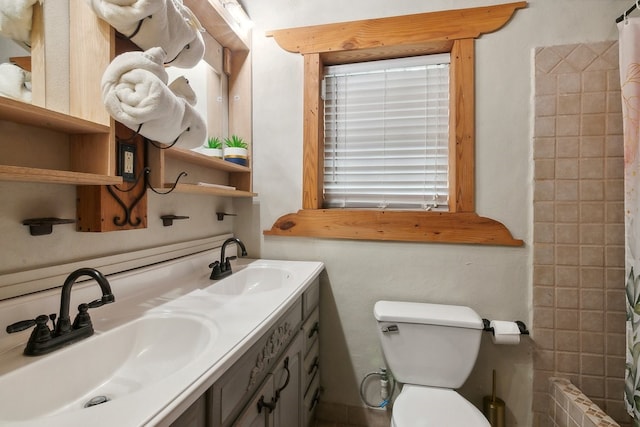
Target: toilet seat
column 420, row 406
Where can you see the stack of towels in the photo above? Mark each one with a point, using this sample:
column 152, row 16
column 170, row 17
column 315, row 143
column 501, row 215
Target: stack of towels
column 135, row 87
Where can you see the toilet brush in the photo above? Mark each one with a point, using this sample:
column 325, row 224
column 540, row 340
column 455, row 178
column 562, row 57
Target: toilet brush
column 493, row 407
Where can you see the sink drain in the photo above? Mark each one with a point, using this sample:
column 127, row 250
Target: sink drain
column 98, row 400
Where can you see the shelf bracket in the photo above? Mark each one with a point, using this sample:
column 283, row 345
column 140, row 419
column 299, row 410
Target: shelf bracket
column 221, row 215
column 167, row 220
column 44, row 226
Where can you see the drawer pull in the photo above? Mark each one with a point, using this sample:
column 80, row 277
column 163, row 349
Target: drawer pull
column 269, row 405
column 315, row 400
column 314, row 329
column 314, row 365
column 286, row 382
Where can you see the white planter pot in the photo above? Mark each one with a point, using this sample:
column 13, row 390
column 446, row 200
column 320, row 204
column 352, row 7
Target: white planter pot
column 212, row 152
column 236, row 155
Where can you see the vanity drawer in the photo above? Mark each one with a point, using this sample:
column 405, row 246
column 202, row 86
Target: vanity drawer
column 311, row 366
column 311, row 400
column 311, row 329
column 236, row 386
column 311, row 298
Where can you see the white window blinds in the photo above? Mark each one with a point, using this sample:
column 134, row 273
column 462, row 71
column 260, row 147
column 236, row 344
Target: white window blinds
column 386, row 127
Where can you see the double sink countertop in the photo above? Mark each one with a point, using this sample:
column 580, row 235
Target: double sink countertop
column 171, row 333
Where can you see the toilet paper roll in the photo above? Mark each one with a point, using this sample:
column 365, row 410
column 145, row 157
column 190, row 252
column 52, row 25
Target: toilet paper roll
column 505, row 332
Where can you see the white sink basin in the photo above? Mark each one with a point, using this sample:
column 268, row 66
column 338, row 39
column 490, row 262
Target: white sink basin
column 253, row 280
column 112, row 364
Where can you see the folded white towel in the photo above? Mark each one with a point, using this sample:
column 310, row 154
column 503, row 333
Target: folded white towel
column 15, row 82
column 135, row 93
column 165, row 23
column 15, row 20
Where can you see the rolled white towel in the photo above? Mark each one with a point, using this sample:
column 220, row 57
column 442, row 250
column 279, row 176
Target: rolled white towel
column 165, row 23
column 15, row 82
column 195, row 133
column 135, row 93
column 15, row 20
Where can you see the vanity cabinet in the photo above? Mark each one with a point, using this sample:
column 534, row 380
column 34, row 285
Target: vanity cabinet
column 311, row 355
column 231, row 393
column 277, row 402
column 274, row 383
column 195, row 415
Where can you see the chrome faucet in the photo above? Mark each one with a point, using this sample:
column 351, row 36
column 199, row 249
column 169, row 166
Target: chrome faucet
column 44, row 340
column 222, row 268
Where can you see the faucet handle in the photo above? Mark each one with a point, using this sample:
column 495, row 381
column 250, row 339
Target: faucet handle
column 227, row 263
column 82, row 318
column 20, row 326
column 26, row 324
column 216, row 270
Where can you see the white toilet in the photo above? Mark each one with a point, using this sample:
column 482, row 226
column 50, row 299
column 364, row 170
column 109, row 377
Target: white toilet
column 431, row 349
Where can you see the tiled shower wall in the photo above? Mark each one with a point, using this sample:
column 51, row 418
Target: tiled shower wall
column 578, row 266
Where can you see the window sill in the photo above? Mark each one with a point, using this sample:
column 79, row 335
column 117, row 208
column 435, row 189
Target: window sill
column 434, row 227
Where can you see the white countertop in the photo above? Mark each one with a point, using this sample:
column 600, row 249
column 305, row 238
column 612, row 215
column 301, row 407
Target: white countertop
column 179, row 288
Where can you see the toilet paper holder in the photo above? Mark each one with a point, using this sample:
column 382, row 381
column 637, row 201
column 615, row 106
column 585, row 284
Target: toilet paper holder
column 521, row 326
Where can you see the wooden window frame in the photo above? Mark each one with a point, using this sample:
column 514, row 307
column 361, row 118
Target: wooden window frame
column 450, row 31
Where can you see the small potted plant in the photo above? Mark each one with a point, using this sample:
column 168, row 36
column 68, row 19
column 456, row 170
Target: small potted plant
column 235, row 150
column 213, row 147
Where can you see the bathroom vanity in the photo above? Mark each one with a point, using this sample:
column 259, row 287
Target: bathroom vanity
column 275, row 383
column 175, row 348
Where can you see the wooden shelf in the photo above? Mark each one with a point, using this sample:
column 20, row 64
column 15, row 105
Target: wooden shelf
column 24, row 174
column 201, row 189
column 202, row 160
column 27, row 114
column 219, row 24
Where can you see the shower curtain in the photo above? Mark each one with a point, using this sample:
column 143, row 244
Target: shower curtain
column 629, row 30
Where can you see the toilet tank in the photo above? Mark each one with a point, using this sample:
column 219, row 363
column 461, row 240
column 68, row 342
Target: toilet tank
column 428, row 344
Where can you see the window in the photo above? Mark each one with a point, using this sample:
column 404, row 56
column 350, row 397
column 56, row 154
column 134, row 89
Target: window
column 386, row 134
column 406, row 36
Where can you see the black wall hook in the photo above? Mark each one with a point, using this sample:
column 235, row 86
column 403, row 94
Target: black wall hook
column 167, row 220
column 44, row 226
column 221, row 215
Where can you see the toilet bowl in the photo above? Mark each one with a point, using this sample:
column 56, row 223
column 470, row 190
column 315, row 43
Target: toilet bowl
column 419, row 406
column 430, row 349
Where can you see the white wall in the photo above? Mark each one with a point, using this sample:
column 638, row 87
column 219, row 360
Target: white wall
column 495, row 281
column 20, row 251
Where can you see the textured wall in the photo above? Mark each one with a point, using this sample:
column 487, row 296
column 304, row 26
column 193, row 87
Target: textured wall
column 578, row 264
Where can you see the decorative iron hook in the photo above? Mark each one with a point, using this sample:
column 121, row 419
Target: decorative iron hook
column 128, row 209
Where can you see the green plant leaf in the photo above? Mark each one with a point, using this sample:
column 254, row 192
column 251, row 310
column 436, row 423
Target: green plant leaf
column 235, row 141
column 214, row 142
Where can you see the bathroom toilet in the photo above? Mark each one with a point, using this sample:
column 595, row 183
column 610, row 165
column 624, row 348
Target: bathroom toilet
column 431, row 350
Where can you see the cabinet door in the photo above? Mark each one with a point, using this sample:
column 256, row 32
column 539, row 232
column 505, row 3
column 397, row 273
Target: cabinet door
column 287, row 374
column 258, row 412
column 195, row 416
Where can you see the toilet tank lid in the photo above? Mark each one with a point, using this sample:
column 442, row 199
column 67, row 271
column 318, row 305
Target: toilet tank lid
column 428, row 314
